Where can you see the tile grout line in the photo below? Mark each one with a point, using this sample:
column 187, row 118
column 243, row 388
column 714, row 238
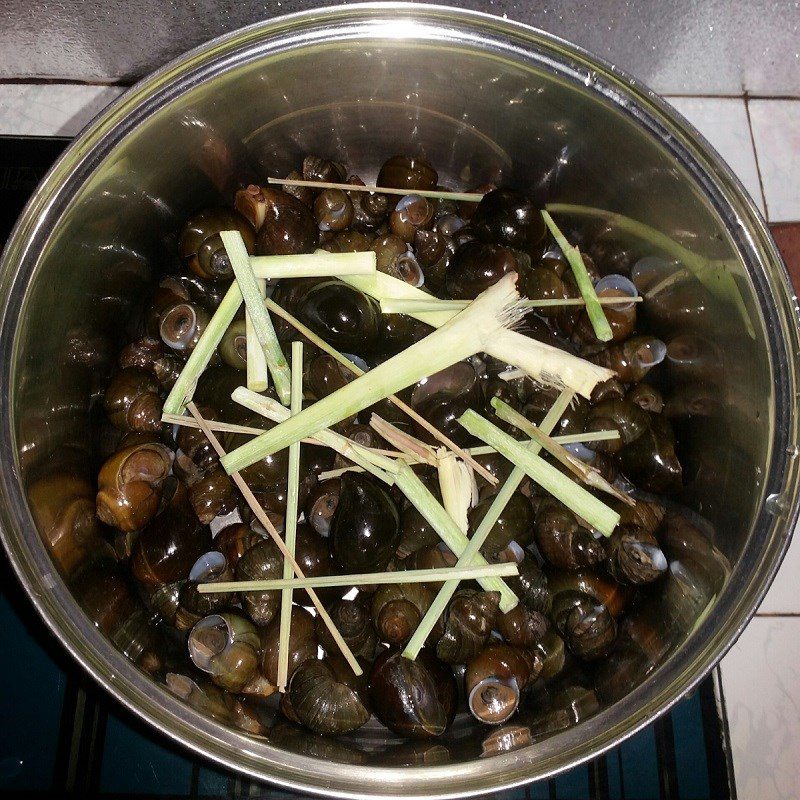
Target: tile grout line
column 746, row 99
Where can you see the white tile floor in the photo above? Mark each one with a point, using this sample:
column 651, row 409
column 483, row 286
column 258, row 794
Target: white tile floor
column 764, row 721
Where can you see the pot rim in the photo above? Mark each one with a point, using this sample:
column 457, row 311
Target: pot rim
column 483, row 33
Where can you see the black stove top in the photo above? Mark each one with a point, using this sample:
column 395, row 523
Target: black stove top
column 62, row 735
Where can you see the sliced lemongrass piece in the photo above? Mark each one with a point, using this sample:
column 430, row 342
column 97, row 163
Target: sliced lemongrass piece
column 569, row 438
column 290, row 528
column 217, row 427
column 262, row 517
column 457, row 485
column 337, row 473
column 472, row 549
column 602, row 330
column 319, row 264
column 391, row 305
column 366, row 579
column 183, row 390
column 466, row 334
column 543, row 362
column 585, row 472
column 420, row 497
column 468, row 197
column 396, row 401
column 405, row 442
column 257, row 370
column 563, row 488
column 259, row 317
column 377, row 464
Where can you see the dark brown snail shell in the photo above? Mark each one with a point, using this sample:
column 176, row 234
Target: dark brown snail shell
column 314, row 558
column 129, row 485
column 562, row 541
column 323, row 170
column 212, row 495
column 515, row 523
column 510, row 218
column 321, row 505
column 651, row 461
column 495, row 679
column 435, row 557
column 288, row 228
column 647, row 397
column 632, row 359
column 415, row 699
column 530, row 585
column 552, row 652
column 541, row 283
column 365, row 529
column 167, row 370
column 521, row 626
column 133, row 401
column 170, row 543
column 195, row 446
column 200, row 245
column 269, row 473
column 417, row 533
column 251, row 204
column 411, row 214
column 302, row 644
column 397, row 610
column 211, row 567
column 387, row 250
column 349, row 241
column 226, row 647
column 333, row 210
column 469, row 620
column 202, row 696
column 353, row 620
column 263, row 561
column 328, row 698
column 634, row 556
column 233, row 346
column 142, row 353
column 475, row 266
column 233, row 541
column 408, row 172
column 344, row 317
column 182, row 325
column 628, row 419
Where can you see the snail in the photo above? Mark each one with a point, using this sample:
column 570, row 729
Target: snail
column 495, row 679
column 515, row 523
column 651, row 461
column 212, row 495
column 328, row 698
column 181, row 326
column 353, row 620
column 632, row 359
column 142, row 354
column 521, row 626
column 416, row 699
column 200, row 245
column 397, row 609
column 288, row 227
column 634, row 556
column 509, row 218
column 133, row 401
column 628, row 419
column 411, row 214
column 233, row 345
column 129, row 485
column 407, row 172
column 469, row 620
column 530, row 585
column 475, row 266
column 211, row 567
column 233, row 541
column 263, row 561
column 333, row 210
column 302, row 644
column 561, row 540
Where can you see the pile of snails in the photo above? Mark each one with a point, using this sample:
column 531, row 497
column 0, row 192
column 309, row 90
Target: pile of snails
column 176, row 519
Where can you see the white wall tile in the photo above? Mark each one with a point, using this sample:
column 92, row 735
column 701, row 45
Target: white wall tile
column 783, row 597
column 776, row 129
column 51, row 109
column 723, row 121
column 761, row 683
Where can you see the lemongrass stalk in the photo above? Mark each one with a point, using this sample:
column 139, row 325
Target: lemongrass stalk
column 585, row 472
column 470, row 552
column 290, row 528
column 262, row 517
column 391, row 305
column 434, row 514
column 407, row 444
column 262, row 324
column 602, row 330
column 380, row 466
column 183, row 390
column 571, row 494
column 257, row 370
column 542, row 362
column 319, row 264
column 337, row 473
column 396, row 401
column 466, row 334
column 468, row 197
column 217, row 427
column 569, row 438
column 504, row 570
column 457, row 487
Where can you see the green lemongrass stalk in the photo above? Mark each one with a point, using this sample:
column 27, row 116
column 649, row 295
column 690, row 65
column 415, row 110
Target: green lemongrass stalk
column 257, row 370
column 468, row 197
column 290, row 528
column 542, row 362
column 183, row 390
column 396, row 401
column 466, row 334
column 319, row 264
column 262, row 324
column 471, row 551
column 365, row 579
column 391, row 305
column 458, row 488
column 380, row 466
column 602, row 330
column 585, row 472
column 569, row 438
column 217, row 427
column 406, row 443
column 420, row 497
column 337, row 473
column 596, row 513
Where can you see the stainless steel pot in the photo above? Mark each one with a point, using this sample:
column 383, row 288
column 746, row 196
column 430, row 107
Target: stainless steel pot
column 483, row 99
